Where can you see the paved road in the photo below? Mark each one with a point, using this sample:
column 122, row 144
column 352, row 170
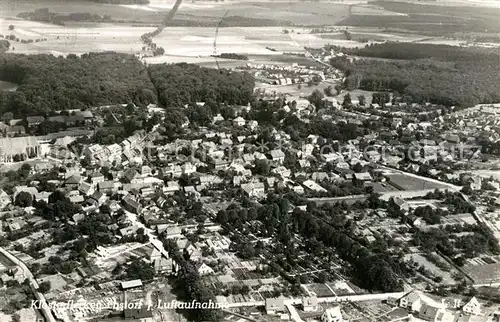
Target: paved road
column 332, row 299
column 47, row 313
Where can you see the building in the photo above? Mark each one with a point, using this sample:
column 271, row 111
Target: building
column 310, row 304
column 135, row 315
column 18, row 149
column 275, row 306
column 332, row 314
column 472, row 307
column 131, row 284
column 277, row 156
column 203, row 269
column 239, row 121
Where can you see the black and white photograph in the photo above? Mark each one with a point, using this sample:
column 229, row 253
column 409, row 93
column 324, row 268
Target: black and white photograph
column 250, row 160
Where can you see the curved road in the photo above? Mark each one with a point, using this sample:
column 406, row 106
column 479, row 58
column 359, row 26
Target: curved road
column 47, row 313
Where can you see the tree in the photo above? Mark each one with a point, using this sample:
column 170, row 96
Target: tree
column 44, row 287
column 347, row 100
column 316, row 98
column 24, row 199
column 11, row 27
column 328, row 90
column 338, row 89
column 362, row 99
column 138, row 269
column 262, row 167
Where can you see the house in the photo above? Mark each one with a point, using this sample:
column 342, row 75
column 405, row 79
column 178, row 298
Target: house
column 72, row 182
column 131, row 204
column 5, row 199
column 332, row 314
column 97, row 199
column 203, row 269
column 414, row 300
column 362, row 176
column 452, row 138
column 472, row 307
column 275, row 306
column 277, row 156
column 96, row 177
column 164, row 265
column 310, row 304
column 219, row 164
column 193, row 252
column 239, row 121
column 34, row 120
column 188, row 168
column 129, row 315
column 106, row 186
column 254, row 189
column 86, row 188
column 252, row 125
column 127, row 285
column 402, row 204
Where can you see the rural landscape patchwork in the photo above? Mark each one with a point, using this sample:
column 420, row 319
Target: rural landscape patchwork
column 259, row 160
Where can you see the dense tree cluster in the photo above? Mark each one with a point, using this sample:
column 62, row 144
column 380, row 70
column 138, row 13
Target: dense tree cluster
column 190, row 287
column 439, row 74
column 48, row 83
column 44, row 15
column 4, row 45
column 324, row 228
column 178, row 84
column 480, row 241
column 233, row 56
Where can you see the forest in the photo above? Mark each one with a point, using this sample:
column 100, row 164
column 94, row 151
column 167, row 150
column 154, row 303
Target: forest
column 180, row 84
column 438, row 74
column 47, row 83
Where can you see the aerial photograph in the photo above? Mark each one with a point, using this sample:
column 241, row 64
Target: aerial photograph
column 250, row 160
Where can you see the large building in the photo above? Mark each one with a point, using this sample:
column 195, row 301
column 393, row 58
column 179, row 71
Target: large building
column 18, row 149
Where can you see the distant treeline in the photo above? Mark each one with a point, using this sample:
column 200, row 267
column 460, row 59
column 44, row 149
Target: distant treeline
column 439, row 74
column 179, row 84
column 232, row 56
column 122, row 1
column 229, row 21
column 44, row 15
column 4, row 45
column 47, row 83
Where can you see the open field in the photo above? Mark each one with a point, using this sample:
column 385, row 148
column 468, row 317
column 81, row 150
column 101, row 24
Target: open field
column 407, row 183
column 10, row 8
column 62, row 40
column 430, row 18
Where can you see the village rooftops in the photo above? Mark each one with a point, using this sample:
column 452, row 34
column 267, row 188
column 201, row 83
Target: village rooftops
column 131, row 284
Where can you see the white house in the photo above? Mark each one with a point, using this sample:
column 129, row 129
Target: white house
column 310, row 304
column 332, row 314
column 239, row 121
column 203, row 269
column 472, row 307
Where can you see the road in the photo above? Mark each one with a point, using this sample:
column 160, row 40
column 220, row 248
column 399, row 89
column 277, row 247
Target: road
column 332, row 299
column 152, row 236
column 47, row 313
